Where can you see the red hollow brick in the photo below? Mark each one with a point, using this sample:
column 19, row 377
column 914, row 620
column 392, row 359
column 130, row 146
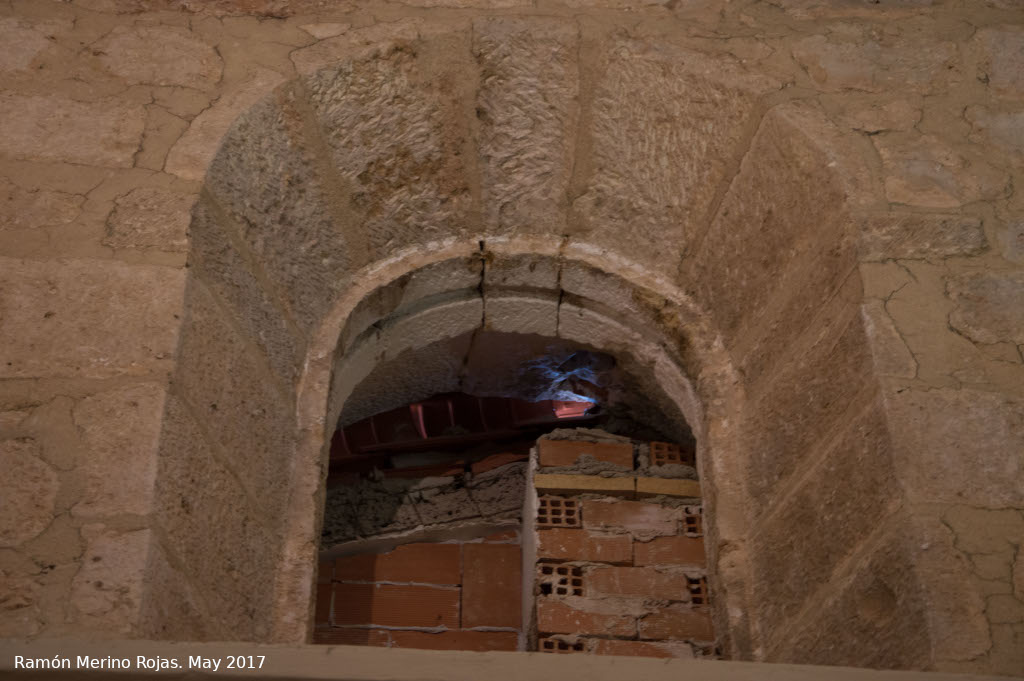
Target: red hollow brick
column 554, row 616
column 632, row 516
column 566, row 452
column 393, row 605
column 671, row 551
column 351, row 637
column 456, row 640
column 678, row 622
column 637, row 581
column 635, row 649
column 420, row 563
column 574, row 544
column 492, row 585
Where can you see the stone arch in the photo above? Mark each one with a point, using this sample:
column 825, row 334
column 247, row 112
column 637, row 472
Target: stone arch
column 379, row 162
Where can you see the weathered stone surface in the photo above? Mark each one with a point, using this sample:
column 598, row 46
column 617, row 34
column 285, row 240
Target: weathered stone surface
column 901, row 236
column 171, row 609
column 106, row 594
column 875, row 63
column 1004, row 130
column 88, row 318
column 149, row 217
column 160, row 55
column 22, row 42
column 54, row 128
column 236, row 398
column 396, row 137
column 1003, row 59
column 192, row 154
column 891, row 354
column 988, row 306
column 325, row 30
column 24, row 208
column 813, row 9
column 355, row 44
column 897, row 115
column 923, row 170
column 19, row 605
column 163, row 130
column 120, row 430
column 874, row 615
column 232, row 567
column 28, row 488
column 218, row 262
column 1011, row 238
column 267, row 178
column 526, row 106
column 832, row 511
column 664, row 126
column 958, row 446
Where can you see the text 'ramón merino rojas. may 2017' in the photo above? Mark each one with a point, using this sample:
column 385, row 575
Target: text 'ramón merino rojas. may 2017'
column 141, row 662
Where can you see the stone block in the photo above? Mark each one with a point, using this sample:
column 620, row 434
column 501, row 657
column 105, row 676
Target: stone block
column 36, row 208
column 231, row 569
column 150, row 218
column 267, row 177
column 891, row 355
column 106, row 593
column 886, row 236
column 958, row 446
column 832, row 510
column 652, row 487
column 223, row 265
column 522, row 314
column 649, row 105
column 527, row 110
column 29, row 489
column 988, row 308
column 23, row 41
column 88, row 318
column 1002, row 49
column 235, row 396
column 396, row 136
column 159, row 55
column 54, row 128
column 492, row 585
column 120, row 430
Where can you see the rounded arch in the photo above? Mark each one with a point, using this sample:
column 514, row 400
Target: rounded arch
column 372, row 169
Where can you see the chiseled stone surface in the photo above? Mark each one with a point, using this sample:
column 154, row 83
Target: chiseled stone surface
column 119, row 428
column 150, row 217
column 55, row 128
column 526, row 106
column 87, row 318
column 989, row 307
column 160, row 55
column 663, row 130
column 940, row 434
column 28, row 488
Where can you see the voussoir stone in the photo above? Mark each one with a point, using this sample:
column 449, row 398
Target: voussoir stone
column 160, row 55
column 527, row 107
column 28, row 488
column 989, row 306
column 149, row 217
column 87, row 318
column 120, row 430
column 55, row 128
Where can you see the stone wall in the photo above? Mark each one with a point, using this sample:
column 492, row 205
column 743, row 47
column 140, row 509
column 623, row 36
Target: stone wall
column 809, row 206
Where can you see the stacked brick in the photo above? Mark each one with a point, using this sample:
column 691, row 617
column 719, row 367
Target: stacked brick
column 621, row 568
column 450, row 596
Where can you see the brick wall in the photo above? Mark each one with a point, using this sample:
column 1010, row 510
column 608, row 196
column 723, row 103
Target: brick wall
column 621, row 568
column 445, row 596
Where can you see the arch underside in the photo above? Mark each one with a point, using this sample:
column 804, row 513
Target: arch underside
column 647, row 203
